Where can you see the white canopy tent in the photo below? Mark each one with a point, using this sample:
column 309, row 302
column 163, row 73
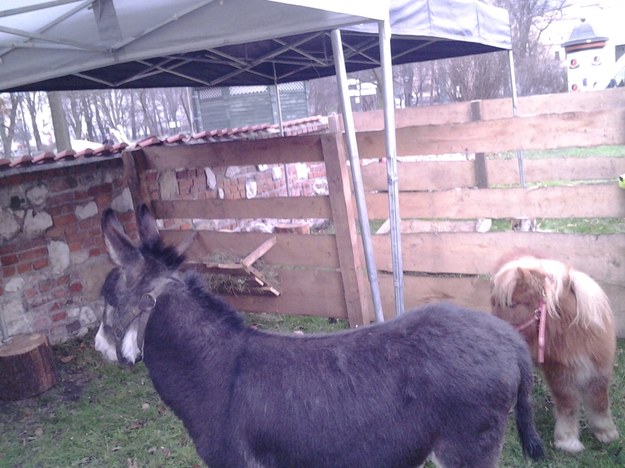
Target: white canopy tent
column 91, row 44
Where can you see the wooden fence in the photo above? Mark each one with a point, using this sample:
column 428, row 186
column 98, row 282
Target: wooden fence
column 324, row 274
column 441, row 264
column 319, row 275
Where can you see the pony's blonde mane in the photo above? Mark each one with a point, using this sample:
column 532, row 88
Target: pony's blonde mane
column 593, row 307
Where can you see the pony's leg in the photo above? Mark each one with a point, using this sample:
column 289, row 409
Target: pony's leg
column 597, row 405
column 566, row 409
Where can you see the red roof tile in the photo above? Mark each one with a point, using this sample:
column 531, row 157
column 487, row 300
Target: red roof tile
column 46, row 156
column 316, row 124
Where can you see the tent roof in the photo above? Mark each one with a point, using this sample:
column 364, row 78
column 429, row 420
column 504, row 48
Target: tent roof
column 94, row 44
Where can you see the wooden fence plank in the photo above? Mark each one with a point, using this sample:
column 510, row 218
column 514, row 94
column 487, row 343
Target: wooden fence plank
column 421, row 175
column 290, row 249
column 493, row 109
column 475, row 294
column 560, row 103
column 583, row 201
column 604, row 127
column 478, row 253
column 445, row 175
column 502, row 172
column 304, row 292
column 275, row 207
column 235, row 153
column 349, row 246
column 420, row 290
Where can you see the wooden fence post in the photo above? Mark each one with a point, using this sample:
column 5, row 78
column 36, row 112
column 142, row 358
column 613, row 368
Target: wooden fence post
column 481, row 175
column 138, row 192
column 350, row 252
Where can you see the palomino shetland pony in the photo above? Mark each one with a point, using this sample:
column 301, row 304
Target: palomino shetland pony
column 437, row 382
column 566, row 319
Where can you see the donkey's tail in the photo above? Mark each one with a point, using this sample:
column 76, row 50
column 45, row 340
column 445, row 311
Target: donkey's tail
column 531, row 442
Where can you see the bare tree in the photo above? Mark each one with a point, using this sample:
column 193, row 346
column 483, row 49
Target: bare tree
column 59, row 122
column 8, row 112
column 486, row 76
column 186, row 107
column 536, row 71
column 33, row 104
column 473, row 77
column 323, row 96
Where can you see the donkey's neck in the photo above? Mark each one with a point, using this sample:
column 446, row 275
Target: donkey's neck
column 192, row 344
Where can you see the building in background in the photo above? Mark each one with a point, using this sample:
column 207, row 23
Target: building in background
column 238, row 106
column 588, row 60
column 597, row 64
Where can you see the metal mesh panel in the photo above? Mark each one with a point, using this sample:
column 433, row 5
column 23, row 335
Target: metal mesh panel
column 294, row 86
column 210, row 93
column 240, row 90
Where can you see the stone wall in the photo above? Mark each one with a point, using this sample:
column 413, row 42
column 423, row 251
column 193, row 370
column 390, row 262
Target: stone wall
column 52, row 255
column 235, row 183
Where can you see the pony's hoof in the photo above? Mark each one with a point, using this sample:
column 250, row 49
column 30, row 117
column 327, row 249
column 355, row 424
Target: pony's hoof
column 570, row 445
column 607, row 435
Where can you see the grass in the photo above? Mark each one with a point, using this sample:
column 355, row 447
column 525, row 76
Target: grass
column 104, row 415
column 569, row 225
column 610, row 151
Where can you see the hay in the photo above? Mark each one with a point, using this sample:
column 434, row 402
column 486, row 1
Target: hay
column 234, row 284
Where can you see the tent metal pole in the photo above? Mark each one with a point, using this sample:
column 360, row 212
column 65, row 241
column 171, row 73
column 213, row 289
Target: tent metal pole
column 384, row 28
column 354, row 159
column 515, row 112
column 278, row 102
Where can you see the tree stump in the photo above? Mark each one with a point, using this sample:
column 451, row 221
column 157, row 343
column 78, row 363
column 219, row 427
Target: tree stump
column 26, row 367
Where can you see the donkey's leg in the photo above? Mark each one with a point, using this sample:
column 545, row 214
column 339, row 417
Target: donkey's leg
column 566, row 409
column 597, row 405
column 478, row 443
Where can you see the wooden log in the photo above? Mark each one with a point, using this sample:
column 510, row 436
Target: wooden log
column 26, row 367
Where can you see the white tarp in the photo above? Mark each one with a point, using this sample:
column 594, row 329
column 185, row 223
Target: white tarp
column 90, row 44
column 42, row 39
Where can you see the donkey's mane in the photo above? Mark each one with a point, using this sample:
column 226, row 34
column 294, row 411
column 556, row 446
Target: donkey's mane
column 592, row 303
column 209, row 301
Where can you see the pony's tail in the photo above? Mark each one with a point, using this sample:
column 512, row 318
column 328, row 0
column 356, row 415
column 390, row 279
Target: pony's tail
column 531, row 442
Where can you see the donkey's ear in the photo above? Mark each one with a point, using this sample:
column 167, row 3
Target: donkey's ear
column 121, row 249
column 148, row 231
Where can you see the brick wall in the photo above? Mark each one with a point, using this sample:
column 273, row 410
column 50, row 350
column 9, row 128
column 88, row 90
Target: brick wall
column 233, row 183
column 52, row 255
column 53, row 260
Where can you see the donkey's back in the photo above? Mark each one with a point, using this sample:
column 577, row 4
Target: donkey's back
column 439, row 381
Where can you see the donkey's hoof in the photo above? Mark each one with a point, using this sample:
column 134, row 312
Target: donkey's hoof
column 570, row 445
column 607, row 435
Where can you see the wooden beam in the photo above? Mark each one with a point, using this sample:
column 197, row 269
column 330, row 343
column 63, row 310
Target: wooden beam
column 275, row 207
column 547, row 131
column 305, row 148
column 349, row 247
column 580, row 201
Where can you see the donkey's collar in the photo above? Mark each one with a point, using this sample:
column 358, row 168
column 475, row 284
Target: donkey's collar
column 141, row 312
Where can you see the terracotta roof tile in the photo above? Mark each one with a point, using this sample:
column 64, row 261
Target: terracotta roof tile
column 46, row 156
column 308, row 125
column 21, row 161
column 149, row 141
column 84, row 153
